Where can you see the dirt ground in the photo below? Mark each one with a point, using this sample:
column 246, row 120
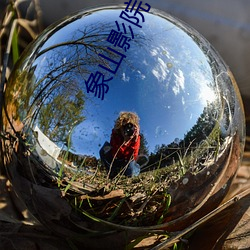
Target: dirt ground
column 230, row 229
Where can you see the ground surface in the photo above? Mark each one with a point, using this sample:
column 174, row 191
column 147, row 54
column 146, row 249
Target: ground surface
column 230, row 229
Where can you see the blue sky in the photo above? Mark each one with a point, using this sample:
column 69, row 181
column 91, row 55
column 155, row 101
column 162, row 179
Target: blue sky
column 167, row 83
column 165, row 78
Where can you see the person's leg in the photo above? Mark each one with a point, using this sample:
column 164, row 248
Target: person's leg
column 133, row 169
column 105, row 156
column 142, row 160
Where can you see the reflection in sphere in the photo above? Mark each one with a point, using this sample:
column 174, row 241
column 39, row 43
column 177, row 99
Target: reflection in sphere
column 123, row 125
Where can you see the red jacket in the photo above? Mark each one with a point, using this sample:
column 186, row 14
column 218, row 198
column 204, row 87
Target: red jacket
column 126, row 151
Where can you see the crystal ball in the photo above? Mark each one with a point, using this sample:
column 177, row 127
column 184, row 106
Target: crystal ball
column 121, row 120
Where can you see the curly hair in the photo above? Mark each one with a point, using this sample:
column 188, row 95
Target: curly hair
column 126, row 117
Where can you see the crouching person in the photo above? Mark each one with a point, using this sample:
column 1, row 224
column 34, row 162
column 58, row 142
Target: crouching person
column 120, row 154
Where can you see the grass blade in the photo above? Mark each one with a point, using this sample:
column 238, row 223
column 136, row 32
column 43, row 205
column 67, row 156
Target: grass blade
column 14, row 45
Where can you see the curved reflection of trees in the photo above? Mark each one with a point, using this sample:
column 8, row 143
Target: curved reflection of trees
column 60, row 71
column 57, row 116
column 199, row 144
column 143, row 145
column 203, row 127
column 80, row 54
column 18, row 94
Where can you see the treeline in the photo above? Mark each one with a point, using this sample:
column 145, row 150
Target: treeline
column 171, row 153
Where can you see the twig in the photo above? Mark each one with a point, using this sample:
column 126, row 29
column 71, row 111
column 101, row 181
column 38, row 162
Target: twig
column 177, row 237
column 5, row 64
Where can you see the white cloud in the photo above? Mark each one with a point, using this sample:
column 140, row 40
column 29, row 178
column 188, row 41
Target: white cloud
column 179, row 82
column 159, row 132
column 206, row 93
column 141, row 75
column 183, row 100
column 161, row 70
column 154, row 52
column 125, row 78
column 145, row 62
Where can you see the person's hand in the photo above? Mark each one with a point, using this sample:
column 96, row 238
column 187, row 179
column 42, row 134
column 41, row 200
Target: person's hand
column 134, row 136
column 136, row 132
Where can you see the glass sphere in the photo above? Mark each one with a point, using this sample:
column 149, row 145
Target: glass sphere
column 120, row 122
